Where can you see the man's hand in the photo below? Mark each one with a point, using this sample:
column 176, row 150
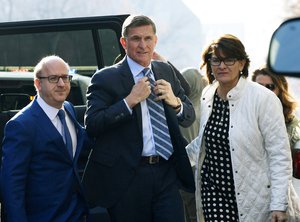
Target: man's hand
column 164, row 91
column 139, row 92
column 279, row 216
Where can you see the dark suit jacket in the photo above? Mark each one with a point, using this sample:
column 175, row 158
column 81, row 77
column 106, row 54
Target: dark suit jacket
column 119, row 137
column 39, row 179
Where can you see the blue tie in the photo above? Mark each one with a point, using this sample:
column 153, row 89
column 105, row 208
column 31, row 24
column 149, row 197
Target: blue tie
column 163, row 144
column 67, row 136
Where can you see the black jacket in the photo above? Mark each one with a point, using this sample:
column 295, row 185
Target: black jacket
column 118, row 134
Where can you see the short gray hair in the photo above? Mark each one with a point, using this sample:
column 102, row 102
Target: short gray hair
column 134, row 21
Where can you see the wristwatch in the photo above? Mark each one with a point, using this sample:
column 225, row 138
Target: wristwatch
column 179, row 103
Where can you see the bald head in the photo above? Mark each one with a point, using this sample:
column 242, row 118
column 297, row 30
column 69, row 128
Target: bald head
column 46, row 63
column 52, row 80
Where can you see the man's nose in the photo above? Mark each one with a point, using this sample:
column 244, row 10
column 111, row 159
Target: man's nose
column 60, row 82
column 142, row 43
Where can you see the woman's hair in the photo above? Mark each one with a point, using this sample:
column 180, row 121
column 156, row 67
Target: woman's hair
column 230, row 47
column 289, row 104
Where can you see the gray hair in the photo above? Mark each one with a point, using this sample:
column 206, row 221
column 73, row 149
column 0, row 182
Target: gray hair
column 134, row 21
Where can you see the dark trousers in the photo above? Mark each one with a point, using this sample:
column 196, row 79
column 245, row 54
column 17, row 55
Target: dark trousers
column 152, row 196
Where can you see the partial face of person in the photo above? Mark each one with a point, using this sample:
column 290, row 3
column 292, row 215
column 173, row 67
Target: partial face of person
column 267, row 81
column 139, row 44
column 54, row 85
column 226, row 70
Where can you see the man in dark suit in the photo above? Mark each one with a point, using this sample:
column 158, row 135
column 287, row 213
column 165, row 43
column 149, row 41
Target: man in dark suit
column 40, row 181
column 126, row 172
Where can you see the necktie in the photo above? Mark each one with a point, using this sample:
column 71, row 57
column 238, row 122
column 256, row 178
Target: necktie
column 67, row 136
column 163, row 144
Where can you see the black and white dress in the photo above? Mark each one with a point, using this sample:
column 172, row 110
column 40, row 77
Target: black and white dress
column 217, row 189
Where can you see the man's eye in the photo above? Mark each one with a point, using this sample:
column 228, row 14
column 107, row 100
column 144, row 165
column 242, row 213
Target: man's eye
column 135, row 39
column 53, row 78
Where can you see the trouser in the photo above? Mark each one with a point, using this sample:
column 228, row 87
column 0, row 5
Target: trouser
column 152, row 196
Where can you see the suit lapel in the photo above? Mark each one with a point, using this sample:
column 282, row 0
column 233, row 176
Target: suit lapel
column 128, row 82
column 79, row 131
column 126, row 76
column 160, row 73
column 156, row 71
column 49, row 129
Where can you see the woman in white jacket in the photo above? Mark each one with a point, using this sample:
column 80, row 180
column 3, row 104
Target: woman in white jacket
column 242, row 152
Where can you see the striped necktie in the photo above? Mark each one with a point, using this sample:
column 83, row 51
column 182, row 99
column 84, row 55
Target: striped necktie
column 67, row 136
column 163, row 144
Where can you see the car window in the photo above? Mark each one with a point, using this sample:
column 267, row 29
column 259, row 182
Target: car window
column 76, row 47
column 87, row 44
column 109, row 45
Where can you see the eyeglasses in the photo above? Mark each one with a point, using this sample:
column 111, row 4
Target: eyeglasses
column 269, row 86
column 226, row 61
column 55, row 79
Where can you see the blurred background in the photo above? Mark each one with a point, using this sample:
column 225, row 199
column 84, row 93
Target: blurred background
column 184, row 27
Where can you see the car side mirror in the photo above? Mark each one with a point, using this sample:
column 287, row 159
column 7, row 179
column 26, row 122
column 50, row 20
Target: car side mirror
column 13, row 101
column 284, row 49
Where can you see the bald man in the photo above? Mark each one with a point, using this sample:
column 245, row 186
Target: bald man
column 40, row 180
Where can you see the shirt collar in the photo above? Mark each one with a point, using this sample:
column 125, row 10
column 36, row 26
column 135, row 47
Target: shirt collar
column 50, row 111
column 135, row 68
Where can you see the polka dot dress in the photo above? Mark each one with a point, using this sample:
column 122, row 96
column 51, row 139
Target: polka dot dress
column 217, row 189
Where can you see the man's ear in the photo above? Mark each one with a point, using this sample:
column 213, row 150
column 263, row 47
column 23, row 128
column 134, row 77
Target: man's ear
column 156, row 38
column 37, row 84
column 123, row 42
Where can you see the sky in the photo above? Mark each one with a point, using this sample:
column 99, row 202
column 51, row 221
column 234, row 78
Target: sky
column 253, row 22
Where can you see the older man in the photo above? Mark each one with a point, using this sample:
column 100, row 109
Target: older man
column 139, row 158
column 41, row 146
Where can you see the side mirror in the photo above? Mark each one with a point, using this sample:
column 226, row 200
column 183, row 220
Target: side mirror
column 13, row 101
column 284, row 49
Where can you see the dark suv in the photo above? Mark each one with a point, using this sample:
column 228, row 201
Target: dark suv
column 87, row 44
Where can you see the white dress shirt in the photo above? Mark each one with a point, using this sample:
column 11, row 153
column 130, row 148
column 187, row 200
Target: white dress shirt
column 51, row 112
column 148, row 140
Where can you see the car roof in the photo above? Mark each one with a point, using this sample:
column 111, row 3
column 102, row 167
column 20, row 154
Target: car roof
column 16, row 75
